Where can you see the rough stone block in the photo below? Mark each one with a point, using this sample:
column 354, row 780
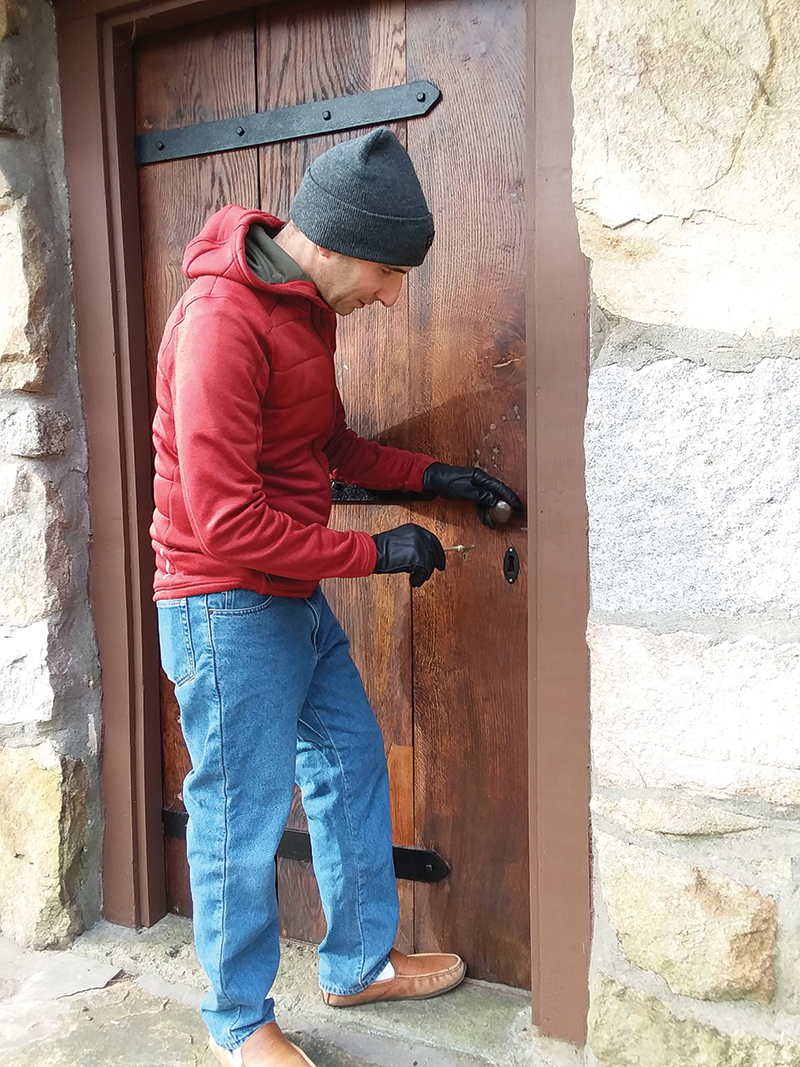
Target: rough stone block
column 693, row 485
column 685, row 169
column 13, row 112
column 686, row 710
column 34, row 559
column 25, row 677
column 9, row 18
column 674, row 816
column 24, row 314
column 707, row 935
column 787, row 972
column 33, row 432
column 43, row 817
column 630, row 1029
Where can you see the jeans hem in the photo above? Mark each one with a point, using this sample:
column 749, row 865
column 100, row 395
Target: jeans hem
column 250, row 1032
column 338, row 991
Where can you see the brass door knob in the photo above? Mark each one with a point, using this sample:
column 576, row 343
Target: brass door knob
column 501, row 512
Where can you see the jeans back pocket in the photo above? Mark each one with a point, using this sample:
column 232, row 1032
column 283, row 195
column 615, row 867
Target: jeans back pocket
column 175, row 638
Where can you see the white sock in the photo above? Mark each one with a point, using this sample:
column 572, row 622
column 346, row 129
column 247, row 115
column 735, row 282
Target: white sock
column 386, row 974
column 236, row 1054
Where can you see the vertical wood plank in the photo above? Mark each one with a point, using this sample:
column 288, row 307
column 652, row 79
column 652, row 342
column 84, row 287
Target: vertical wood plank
column 300, row 910
column 376, row 613
column 195, row 74
column 467, row 332
column 312, row 51
column 176, row 765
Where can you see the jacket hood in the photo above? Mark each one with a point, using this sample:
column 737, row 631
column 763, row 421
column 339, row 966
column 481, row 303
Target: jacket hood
column 219, row 251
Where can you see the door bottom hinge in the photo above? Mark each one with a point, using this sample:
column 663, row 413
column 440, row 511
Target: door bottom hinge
column 410, row 864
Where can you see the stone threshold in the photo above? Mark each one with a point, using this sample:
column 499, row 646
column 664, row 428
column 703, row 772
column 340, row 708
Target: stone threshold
column 477, row 1025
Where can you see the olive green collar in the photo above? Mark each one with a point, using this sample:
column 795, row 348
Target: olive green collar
column 268, row 261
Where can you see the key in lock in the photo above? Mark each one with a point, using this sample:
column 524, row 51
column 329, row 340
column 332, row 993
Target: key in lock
column 464, row 550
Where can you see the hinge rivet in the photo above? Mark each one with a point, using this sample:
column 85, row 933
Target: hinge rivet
column 240, row 130
column 421, row 97
column 326, row 115
column 160, row 146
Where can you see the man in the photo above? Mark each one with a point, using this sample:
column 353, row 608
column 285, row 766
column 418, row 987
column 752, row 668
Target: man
column 248, row 433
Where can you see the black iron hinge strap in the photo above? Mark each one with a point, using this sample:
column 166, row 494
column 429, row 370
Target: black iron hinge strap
column 412, row 864
column 372, row 108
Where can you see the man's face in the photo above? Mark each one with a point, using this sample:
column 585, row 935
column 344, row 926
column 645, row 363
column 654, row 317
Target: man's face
column 347, row 284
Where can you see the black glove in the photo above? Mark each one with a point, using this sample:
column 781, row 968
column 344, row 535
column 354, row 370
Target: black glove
column 469, row 483
column 409, row 548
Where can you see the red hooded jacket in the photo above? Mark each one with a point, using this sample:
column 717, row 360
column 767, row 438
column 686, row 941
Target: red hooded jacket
column 250, row 429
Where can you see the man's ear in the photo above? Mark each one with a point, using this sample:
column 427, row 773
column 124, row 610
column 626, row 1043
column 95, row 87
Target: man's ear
column 324, row 252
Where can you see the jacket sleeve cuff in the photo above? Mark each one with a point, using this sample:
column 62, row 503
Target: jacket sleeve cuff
column 428, row 462
column 372, row 553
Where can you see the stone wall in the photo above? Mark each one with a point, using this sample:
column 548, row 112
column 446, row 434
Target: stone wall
column 687, row 189
column 49, row 691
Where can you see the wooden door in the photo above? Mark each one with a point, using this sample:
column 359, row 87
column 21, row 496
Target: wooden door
column 442, row 372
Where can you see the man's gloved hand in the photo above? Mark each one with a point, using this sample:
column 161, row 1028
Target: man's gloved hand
column 409, row 548
column 469, row 483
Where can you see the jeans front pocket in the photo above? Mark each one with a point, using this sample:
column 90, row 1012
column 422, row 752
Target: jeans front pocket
column 175, row 638
column 237, row 602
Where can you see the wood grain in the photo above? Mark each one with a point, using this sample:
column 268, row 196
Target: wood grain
column 376, row 614
column 300, row 909
column 311, row 52
column 179, row 895
column 175, row 765
column 184, row 77
column 192, row 75
column 308, row 52
column 467, row 331
column 176, row 762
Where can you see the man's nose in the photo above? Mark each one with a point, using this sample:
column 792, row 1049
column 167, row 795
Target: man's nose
column 389, row 293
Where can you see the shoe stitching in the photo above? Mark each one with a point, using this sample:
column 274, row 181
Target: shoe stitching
column 399, row 979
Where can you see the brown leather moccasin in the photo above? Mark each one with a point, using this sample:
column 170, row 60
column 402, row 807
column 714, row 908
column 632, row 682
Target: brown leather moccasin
column 426, row 974
column 267, row 1047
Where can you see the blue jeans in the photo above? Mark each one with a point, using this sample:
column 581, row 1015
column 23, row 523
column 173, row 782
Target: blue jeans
column 269, row 696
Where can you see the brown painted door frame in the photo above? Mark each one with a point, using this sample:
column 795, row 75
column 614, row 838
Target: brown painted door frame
column 95, row 41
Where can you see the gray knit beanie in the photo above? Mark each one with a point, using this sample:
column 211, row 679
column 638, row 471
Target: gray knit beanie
column 362, row 198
